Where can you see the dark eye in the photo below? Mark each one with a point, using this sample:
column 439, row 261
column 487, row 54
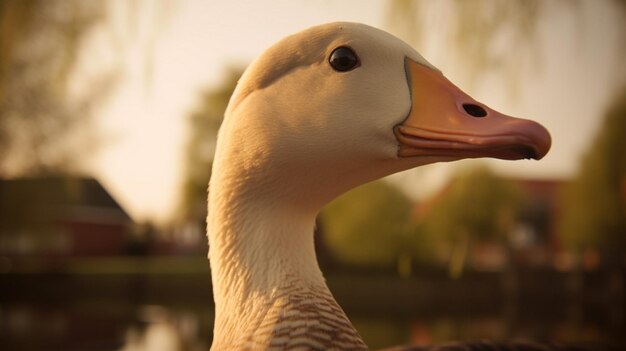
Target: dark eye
column 343, row 59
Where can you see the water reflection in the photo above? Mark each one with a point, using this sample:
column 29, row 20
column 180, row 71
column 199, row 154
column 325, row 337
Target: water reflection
column 133, row 312
column 160, row 329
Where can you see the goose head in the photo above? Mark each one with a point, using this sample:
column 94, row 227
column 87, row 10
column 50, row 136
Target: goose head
column 318, row 113
column 341, row 104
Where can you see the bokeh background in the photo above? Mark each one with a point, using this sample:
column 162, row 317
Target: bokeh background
column 108, row 117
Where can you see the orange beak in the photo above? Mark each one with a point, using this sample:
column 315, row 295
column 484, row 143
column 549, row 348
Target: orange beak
column 446, row 122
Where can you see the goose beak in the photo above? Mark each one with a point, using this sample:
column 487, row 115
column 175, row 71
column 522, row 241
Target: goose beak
column 446, row 122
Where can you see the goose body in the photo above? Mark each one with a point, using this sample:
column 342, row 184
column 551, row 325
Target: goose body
column 320, row 112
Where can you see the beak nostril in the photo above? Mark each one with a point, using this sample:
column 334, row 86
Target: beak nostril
column 475, row 110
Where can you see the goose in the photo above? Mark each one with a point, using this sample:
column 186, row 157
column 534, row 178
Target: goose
column 317, row 114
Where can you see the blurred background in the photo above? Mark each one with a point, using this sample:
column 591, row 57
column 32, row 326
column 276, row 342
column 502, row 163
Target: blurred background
column 108, row 117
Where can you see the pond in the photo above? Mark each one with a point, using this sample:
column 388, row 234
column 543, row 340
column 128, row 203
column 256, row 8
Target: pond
column 133, row 312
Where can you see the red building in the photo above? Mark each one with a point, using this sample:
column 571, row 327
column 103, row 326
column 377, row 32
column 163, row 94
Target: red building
column 60, row 216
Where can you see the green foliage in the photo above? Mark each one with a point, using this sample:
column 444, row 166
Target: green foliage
column 478, row 205
column 39, row 124
column 372, row 225
column 595, row 202
column 204, row 123
column 477, row 201
column 369, row 225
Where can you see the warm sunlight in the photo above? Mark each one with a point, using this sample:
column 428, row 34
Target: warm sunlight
column 145, row 119
column 506, row 223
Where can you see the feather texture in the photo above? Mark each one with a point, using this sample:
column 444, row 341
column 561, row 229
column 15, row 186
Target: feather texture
column 297, row 134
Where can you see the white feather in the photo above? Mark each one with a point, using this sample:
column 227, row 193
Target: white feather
column 296, row 135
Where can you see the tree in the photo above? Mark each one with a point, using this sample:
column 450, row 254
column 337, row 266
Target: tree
column 204, row 123
column 41, row 128
column 45, row 112
column 488, row 35
column 369, row 225
column 595, row 202
column 478, row 205
column 498, row 36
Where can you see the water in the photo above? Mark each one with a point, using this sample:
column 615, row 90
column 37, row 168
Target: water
column 134, row 312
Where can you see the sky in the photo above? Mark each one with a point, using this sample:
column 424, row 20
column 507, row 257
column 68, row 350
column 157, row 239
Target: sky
column 175, row 51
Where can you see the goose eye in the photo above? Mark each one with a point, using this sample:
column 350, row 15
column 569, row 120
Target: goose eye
column 343, row 59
